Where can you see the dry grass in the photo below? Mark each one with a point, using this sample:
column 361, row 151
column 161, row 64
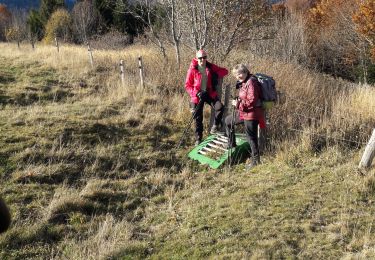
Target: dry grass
column 103, row 240
column 93, row 174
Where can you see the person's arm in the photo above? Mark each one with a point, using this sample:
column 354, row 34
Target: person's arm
column 189, row 83
column 221, row 72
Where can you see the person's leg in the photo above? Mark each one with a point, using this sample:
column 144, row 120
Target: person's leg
column 198, row 118
column 251, row 129
column 219, row 110
column 230, row 128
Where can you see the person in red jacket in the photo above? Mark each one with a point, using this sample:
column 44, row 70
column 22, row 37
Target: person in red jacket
column 201, row 79
column 250, row 111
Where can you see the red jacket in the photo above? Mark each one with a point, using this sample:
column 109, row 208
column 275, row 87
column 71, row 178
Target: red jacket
column 193, row 79
column 249, row 104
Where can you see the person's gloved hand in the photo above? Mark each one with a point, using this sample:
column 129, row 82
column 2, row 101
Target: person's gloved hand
column 235, row 102
column 238, row 84
column 193, row 108
column 202, row 94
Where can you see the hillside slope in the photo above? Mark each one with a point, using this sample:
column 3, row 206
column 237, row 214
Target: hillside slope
column 89, row 170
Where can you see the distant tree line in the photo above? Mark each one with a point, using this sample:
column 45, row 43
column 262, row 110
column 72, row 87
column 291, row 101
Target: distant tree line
column 333, row 36
column 20, row 4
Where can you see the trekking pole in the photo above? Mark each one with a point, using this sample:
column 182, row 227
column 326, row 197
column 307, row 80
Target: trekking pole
column 231, row 133
column 189, row 124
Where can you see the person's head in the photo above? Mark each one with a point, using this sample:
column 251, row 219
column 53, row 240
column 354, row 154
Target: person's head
column 240, row 72
column 201, row 57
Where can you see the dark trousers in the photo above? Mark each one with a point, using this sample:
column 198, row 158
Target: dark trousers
column 216, row 105
column 251, row 130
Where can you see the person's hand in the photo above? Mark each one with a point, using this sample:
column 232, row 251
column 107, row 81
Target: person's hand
column 202, row 94
column 192, row 107
column 238, row 84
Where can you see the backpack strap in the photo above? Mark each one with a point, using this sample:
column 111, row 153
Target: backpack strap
column 259, row 102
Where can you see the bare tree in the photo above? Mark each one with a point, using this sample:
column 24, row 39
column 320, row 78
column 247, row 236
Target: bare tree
column 219, row 25
column 289, row 43
column 85, row 18
column 197, row 21
column 153, row 28
column 153, row 12
column 150, row 12
column 235, row 22
column 18, row 28
column 174, row 18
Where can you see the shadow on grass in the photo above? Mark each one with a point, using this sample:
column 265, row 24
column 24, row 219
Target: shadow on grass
column 68, row 173
column 6, row 78
column 4, row 99
column 94, row 134
column 19, row 237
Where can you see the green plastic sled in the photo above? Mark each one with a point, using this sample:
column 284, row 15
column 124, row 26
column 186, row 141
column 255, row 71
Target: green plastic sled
column 213, row 152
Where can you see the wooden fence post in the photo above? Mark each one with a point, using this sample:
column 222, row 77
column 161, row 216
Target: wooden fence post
column 57, row 44
column 369, row 153
column 140, row 66
column 122, row 72
column 219, row 90
column 227, row 104
column 90, row 55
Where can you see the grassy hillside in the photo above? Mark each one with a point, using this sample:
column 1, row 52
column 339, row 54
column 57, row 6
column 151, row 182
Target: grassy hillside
column 89, row 170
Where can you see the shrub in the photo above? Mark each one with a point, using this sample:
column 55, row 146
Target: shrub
column 59, row 25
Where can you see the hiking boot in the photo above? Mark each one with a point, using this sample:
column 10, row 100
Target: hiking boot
column 254, row 162
column 250, row 166
column 198, row 141
column 214, row 129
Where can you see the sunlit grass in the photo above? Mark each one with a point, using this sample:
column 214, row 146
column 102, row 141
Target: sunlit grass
column 90, row 169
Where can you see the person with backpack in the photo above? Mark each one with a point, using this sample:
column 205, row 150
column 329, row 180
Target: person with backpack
column 201, row 79
column 250, row 111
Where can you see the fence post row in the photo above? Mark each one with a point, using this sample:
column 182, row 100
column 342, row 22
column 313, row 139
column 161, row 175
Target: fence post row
column 90, row 55
column 122, row 72
column 369, row 153
column 140, row 65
